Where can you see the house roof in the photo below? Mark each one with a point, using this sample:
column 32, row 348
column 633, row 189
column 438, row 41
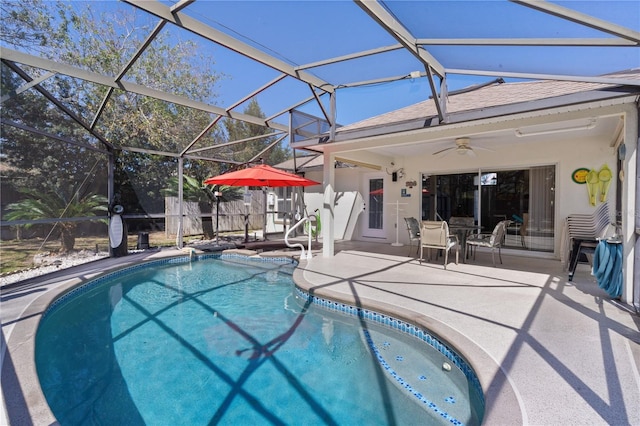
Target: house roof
column 499, row 93
column 489, row 113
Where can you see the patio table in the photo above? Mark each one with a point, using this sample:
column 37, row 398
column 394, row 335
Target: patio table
column 463, row 231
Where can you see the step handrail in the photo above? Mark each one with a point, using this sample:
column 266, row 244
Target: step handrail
column 303, row 255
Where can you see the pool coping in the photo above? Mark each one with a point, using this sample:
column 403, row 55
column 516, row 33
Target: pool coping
column 28, row 405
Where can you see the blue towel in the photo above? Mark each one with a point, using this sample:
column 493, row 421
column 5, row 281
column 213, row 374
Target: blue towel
column 615, row 287
column 607, row 268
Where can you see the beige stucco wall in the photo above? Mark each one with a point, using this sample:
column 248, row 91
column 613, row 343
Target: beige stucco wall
column 562, row 151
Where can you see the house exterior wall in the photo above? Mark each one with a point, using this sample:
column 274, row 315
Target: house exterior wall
column 347, row 210
column 562, row 151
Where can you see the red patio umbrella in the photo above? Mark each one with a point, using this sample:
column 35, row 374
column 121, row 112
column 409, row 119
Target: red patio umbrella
column 261, row 175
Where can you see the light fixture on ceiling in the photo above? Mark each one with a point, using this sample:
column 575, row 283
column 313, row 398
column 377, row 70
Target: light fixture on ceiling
column 462, row 146
column 590, row 124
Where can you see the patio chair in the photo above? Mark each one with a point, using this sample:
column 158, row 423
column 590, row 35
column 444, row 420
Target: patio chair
column 435, row 235
column 413, row 228
column 518, row 226
column 493, row 241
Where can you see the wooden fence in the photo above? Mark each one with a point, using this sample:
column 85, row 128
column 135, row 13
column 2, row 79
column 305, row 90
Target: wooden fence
column 231, row 215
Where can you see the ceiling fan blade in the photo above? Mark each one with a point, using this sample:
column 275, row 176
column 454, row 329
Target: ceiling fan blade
column 470, row 152
column 443, row 150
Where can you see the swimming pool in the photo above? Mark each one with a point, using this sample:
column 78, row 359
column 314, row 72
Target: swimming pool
column 229, row 340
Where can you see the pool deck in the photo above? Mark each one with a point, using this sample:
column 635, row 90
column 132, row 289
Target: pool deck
column 547, row 351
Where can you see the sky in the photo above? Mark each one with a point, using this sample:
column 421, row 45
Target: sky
column 300, row 32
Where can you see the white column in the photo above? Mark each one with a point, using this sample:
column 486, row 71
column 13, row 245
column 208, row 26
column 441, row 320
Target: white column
column 328, row 205
column 179, row 238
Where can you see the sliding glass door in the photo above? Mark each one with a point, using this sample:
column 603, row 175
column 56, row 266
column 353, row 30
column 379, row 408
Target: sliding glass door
column 525, row 197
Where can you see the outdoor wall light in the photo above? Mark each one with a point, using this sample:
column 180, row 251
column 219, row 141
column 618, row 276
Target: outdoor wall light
column 396, row 174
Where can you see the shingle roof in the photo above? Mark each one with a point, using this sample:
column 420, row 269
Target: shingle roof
column 486, row 96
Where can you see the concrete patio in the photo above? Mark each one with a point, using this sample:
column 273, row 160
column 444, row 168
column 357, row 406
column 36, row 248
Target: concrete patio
column 547, row 351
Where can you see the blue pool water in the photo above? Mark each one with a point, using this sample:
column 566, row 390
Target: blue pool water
column 229, row 341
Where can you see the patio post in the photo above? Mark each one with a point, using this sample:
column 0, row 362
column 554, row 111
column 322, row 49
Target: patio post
column 328, row 181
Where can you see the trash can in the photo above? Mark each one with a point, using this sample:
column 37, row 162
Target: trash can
column 143, row 240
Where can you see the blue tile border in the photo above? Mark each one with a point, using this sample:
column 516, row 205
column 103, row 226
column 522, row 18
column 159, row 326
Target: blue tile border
column 404, row 327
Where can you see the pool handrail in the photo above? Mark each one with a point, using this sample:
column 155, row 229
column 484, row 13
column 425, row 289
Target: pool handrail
column 303, row 254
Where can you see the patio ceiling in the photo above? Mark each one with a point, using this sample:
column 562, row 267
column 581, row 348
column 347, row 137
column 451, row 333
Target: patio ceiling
column 369, row 56
column 604, row 128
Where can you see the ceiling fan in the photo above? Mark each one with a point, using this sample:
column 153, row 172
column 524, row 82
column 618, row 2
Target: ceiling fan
column 462, row 147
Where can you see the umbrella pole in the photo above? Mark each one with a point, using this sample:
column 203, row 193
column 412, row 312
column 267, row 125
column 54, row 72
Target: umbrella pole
column 217, row 195
column 264, row 213
column 246, row 228
column 247, row 207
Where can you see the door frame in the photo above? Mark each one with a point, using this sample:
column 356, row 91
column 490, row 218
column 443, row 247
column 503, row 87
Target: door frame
column 365, row 230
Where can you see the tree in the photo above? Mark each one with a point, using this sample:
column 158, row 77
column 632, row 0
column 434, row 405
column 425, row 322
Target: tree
column 32, row 25
column 69, row 33
column 58, row 204
column 36, row 161
column 193, row 190
column 237, row 130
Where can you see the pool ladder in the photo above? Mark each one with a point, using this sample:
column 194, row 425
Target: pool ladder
column 303, row 254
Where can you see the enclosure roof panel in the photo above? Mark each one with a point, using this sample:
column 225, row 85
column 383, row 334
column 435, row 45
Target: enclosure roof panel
column 374, row 57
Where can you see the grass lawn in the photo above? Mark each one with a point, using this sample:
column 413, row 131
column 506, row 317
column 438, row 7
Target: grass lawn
column 18, row 255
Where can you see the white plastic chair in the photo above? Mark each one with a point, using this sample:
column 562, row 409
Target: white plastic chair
column 435, row 235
